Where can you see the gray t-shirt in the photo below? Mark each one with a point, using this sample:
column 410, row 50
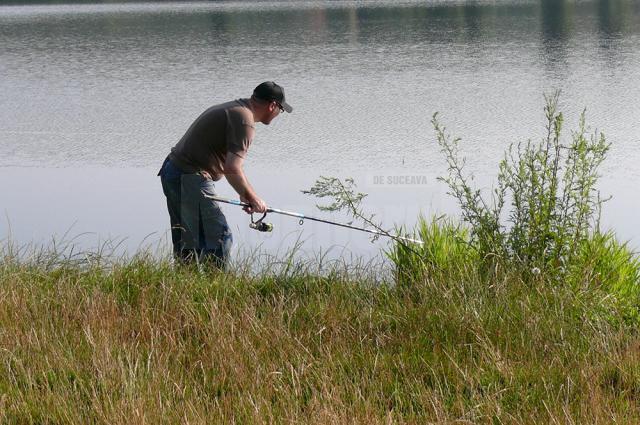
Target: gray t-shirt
column 218, row 131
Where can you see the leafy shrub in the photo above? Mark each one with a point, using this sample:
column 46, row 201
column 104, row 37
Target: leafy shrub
column 550, row 188
column 541, row 218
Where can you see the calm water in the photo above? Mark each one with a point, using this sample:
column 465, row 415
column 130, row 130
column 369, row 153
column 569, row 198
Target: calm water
column 94, row 96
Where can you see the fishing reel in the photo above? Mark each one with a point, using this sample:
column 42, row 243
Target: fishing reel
column 260, row 225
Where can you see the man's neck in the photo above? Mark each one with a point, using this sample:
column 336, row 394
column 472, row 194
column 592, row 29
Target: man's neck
column 255, row 110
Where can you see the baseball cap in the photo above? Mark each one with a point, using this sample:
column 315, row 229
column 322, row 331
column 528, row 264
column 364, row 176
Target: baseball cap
column 271, row 91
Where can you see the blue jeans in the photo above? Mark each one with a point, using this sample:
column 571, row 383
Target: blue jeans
column 199, row 229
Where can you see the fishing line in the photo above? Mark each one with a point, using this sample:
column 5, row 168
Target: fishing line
column 262, row 226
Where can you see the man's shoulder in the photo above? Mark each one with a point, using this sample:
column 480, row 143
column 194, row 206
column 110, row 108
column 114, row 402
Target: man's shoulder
column 239, row 112
column 221, row 107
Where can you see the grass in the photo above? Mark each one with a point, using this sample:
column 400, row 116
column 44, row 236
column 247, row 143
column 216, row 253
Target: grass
column 138, row 341
column 521, row 315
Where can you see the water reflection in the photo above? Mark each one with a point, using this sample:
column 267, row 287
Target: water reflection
column 317, row 26
column 117, row 84
column 472, row 14
column 556, row 26
column 613, row 18
column 612, row 23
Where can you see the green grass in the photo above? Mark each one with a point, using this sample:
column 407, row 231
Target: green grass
column 138, row 341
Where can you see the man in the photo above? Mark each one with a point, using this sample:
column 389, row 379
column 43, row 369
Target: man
column 216, row 144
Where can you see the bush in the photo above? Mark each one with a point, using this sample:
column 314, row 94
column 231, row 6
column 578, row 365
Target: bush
column 542, row 218
column 550, row 188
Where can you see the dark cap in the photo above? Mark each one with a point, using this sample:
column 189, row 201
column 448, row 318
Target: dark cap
column 271, row 91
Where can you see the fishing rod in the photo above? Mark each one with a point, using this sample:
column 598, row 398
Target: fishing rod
column 262, row 226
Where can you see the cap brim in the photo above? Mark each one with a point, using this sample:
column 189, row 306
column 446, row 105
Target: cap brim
column 286, row 107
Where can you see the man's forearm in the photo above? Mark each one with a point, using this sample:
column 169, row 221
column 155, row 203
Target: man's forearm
column 240, row 184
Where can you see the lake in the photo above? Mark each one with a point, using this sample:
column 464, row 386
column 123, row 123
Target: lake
column 95, row 95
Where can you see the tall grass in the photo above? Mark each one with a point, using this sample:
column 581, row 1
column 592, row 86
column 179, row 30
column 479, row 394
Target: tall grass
column 529, row 321
column 446, row 249
column 140, row 341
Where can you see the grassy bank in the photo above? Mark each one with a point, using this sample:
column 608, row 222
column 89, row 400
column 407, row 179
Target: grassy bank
column 141, row 342
column 523, row 312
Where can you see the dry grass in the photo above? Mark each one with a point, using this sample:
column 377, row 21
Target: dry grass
column 140, row 342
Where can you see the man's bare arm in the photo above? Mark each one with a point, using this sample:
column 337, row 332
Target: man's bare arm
column 234, row 173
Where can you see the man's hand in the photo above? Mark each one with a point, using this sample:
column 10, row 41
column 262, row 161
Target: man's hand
column 256, row 205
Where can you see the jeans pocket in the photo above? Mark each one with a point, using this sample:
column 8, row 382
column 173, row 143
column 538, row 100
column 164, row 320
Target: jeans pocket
column 208, row 187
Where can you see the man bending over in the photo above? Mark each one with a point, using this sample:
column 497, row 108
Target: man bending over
column 215, row 145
